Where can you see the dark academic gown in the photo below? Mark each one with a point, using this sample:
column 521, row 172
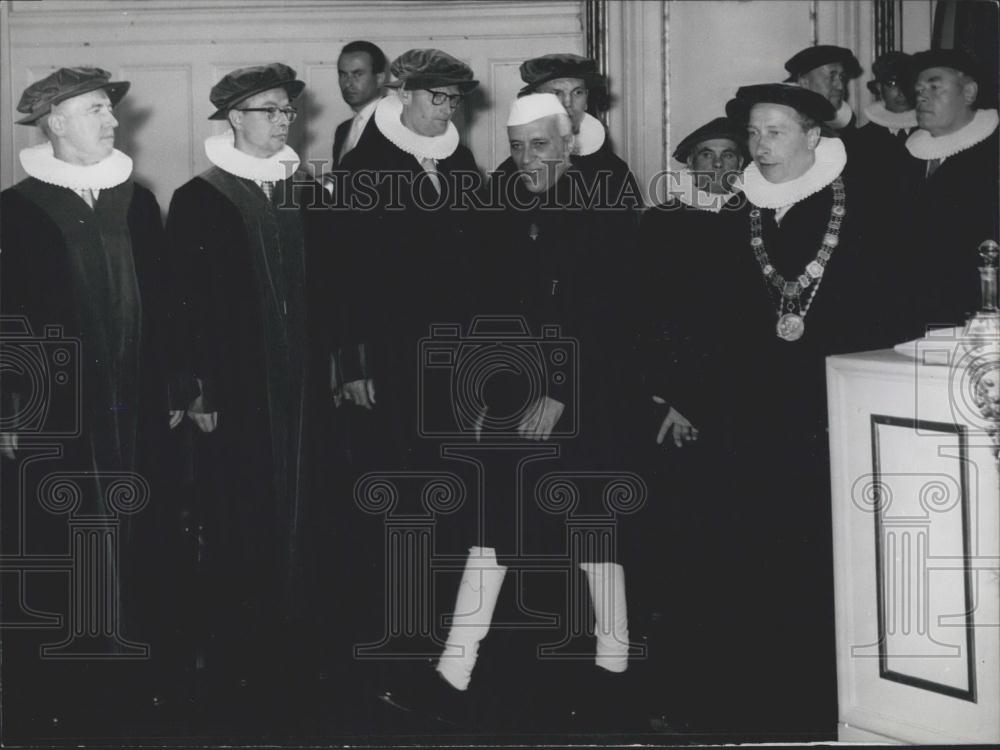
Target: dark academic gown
column 407, row 268
column 85, row 286
column 241, row 267
column 404, row 256
column 943, row 219
column 759, row 403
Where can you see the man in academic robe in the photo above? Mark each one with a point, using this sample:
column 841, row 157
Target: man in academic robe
column 240, row 235
column 891, row 119
column 411, row 235
column 827, row 69
column 406, row 176
column 82, row 284
column 681, row 243
column 948, row 192
column 361, row 73
column 788, row 290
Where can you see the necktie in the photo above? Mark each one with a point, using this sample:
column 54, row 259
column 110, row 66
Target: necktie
column 430, row 167
column 88, row 196
column 268, row 188
column 352, row 137
column 932, row 165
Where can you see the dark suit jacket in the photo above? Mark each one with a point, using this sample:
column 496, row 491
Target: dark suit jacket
column 339, row 136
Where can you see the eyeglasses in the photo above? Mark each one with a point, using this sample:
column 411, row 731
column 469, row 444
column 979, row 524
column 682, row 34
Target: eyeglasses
column 439, row 97
column 272, row 112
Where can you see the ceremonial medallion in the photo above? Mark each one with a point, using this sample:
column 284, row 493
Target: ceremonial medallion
column 790, row 327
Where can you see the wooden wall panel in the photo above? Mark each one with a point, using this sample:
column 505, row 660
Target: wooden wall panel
column 173, row 51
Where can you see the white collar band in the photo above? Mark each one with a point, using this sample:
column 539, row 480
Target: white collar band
column 878, row 114
column 387, row 115
column 843, row 118
column 923, row 145
column 591, row 136
column 831, row 158
column 41, row 163
column 685, row 190
column 222, row 152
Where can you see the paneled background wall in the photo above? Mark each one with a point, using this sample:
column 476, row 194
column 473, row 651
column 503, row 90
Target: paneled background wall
column 672, row 65
column 173, row 51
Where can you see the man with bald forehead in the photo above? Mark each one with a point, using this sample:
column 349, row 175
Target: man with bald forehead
column 82, row 253
column 948, row 190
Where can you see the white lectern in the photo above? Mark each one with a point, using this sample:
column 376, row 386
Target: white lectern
column 916, row 525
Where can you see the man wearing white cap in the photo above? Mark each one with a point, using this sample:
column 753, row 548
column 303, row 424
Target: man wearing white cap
column 553, row 263
column 576, row 83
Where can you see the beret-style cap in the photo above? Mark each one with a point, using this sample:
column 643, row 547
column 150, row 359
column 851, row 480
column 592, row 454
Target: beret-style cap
column 893, row 69
column 428, row 68
column 801, row 99
column 720, row 127
column 533, row 107
column 963, row 62
column 65, row 83
column 822, row 54
column 539, row 70
column 947, row 58
column 243, row 83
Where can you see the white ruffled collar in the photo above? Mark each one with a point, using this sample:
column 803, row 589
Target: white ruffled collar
column 591, row 136
column 222, row 152
column 685, row 190
column 831, row 158
column 41, row 163
column 894, row 121
column 387, row 115
column 925, row 146
column 843, row 118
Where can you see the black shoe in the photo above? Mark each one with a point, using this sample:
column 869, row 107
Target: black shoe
column 426, row 693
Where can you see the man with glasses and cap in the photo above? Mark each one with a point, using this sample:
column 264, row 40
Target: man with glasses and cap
column 410, row 234
column 82, row 251
column 242, row 239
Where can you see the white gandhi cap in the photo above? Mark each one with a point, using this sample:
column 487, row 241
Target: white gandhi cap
column 534, row 107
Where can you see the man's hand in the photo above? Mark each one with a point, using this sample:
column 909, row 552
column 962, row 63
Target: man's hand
column 206, row 421
column 540, row 419
column 683, row 431
column 176, row 415
column 8, row 444
column 359, row 392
